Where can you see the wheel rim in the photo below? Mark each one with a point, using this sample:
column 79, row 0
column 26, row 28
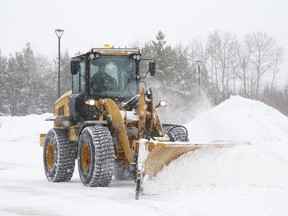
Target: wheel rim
column 85, row 157
column 50, row 156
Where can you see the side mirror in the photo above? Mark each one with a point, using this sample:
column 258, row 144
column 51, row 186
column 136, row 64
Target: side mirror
column 152, row 68
column 74, row 67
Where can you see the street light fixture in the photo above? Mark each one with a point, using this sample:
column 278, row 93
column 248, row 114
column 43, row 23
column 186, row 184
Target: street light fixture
column 59, row 33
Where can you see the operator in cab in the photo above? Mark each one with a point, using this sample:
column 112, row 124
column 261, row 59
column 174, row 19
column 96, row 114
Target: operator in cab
column 101, row 81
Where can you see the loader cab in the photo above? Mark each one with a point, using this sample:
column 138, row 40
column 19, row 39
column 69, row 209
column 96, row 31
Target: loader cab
column 119, row 81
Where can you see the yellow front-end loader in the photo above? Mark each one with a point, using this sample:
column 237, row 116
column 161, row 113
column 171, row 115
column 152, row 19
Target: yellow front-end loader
column 110, row 125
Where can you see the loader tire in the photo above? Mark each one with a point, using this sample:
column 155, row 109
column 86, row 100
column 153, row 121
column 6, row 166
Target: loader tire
column 176, row 133
column 122, row 172
column 58, row 156
column 95, row 156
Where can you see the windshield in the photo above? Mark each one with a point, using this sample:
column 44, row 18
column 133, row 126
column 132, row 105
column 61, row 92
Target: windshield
column 113, row 77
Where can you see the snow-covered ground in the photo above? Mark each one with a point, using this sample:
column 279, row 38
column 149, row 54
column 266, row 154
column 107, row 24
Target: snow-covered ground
column 245, row 180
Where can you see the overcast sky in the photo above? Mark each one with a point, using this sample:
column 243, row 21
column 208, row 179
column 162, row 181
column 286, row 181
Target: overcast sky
column 92, row 23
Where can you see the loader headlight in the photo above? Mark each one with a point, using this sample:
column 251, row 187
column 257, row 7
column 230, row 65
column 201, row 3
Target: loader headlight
column 162, row 103
column 94, row 55
column 91, row 56
column 97, row 55
column 90, row 102
column 137, row 57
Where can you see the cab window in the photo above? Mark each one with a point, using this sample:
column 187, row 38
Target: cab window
column 79, row 80
column 82, row 77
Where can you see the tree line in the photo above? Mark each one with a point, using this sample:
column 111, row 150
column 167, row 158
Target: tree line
column 28, row 82
column 215, row 68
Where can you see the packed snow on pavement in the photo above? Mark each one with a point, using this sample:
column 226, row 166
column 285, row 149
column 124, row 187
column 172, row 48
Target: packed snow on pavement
column 244, row 180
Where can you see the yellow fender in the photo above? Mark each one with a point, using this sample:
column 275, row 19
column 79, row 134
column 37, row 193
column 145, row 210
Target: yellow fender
column 142, row 113
column 119, row 125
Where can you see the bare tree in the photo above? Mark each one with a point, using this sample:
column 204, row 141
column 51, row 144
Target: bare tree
column 275, row 67
column 212, row 44
column 222, row 49
column 263, row 50
column 243, row 58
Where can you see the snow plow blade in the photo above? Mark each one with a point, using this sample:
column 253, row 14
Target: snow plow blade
column 163, row 153
column 154, row 155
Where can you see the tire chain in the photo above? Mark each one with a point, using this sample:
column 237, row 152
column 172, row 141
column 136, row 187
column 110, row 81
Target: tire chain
column 104, row 157
column 65, row 154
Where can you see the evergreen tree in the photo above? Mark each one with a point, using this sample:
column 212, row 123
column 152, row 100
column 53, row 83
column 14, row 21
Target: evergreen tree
column 174, row 77
column 3, row 85
column 13, row 86
column 66, row 78
column 32, row 82
column 163, row 57
column 47, row 79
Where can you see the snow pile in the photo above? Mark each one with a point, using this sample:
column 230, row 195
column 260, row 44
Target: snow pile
column 242, row 119
column 192, row 179
column 15, row 128
column 19, row 141
column 264, row 163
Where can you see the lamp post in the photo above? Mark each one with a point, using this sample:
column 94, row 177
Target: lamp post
column 59, row 33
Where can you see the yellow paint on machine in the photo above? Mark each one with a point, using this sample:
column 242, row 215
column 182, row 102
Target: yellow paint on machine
column 42, row 139
column 161, row 154
column 118, row 123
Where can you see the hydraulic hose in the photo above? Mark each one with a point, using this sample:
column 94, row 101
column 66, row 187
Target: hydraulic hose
column 173, row 126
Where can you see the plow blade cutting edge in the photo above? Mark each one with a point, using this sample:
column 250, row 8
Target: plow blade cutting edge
column 154, row 155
